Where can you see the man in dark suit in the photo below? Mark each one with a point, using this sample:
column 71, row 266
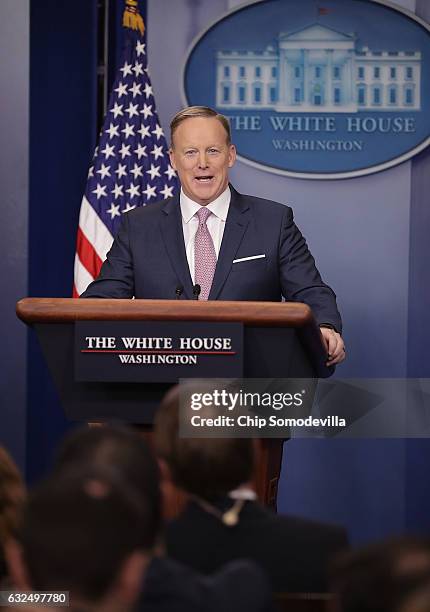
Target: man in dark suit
column 213, row 240
column 223, row 521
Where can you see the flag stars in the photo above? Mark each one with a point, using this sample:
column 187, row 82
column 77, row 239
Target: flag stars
column 149, row 192
column 133, row 190
column 121, row 170
column 135, row 90
column 126, row 69
column 137, row 171
column 170, row 172
column 128, row 130
column 140, row 48
column 144, row 131
column 118, row 189
column 114, row 211
column 100, row 191
column 158, row 131
column 137, row 68
column 121, row 90
column 147, row 111
column 148, row 90
column 125, row 151
column 167, row 192
column 157, row 152
column 117, row 110
column 140, row 151
column 112, row 131
column 154, row 171
column 104, row 171
column 132, row 110
column 120, row 178
column 128, row 207
column 108, row 151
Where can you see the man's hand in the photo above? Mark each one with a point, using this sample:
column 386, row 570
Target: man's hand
column 335, row 346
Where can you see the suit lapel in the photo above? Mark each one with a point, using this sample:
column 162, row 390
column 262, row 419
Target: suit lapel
column 235, row 227
column 173, row 237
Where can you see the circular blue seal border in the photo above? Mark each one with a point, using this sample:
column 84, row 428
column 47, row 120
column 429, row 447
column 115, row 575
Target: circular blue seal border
column 364, row 118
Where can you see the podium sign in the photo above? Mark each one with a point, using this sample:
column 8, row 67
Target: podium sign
column 162, row 351
column 280, row 340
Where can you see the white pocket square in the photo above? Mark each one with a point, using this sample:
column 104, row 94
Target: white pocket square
column 248, row 258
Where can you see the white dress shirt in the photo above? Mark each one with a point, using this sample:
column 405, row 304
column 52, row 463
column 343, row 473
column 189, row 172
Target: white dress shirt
column 215, row 223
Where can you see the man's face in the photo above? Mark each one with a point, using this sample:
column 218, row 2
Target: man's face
column 201, row 156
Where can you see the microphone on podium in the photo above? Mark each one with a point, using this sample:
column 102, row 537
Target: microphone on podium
column 196, row 291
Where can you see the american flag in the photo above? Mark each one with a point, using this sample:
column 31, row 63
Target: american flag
column 130, row 167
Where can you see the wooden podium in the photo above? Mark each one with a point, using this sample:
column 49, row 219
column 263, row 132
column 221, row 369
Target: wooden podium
column 280, row 340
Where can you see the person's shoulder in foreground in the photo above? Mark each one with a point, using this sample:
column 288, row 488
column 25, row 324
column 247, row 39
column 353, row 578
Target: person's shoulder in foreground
column 294, row 552
column 172, row 587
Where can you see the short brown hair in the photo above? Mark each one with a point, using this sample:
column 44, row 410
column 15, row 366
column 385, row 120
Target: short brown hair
column 206, row 467
column 191, row 112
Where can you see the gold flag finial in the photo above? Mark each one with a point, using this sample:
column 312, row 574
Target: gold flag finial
column 132, row 18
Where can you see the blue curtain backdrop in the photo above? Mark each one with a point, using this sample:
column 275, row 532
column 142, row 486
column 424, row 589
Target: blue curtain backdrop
column 63, row 64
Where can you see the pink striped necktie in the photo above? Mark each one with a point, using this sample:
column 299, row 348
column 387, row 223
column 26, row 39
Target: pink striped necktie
column 204, row 255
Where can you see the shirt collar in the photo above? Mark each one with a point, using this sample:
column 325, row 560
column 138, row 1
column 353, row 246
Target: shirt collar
column 244, row 493
column 218, row 207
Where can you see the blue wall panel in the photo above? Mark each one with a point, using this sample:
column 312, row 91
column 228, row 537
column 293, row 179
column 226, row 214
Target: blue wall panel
column 62, row 139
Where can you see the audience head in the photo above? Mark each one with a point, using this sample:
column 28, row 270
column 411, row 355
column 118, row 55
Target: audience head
column 418, row 601
column 12, row 493
column 205, row 467
column 121, row 451
column 381, row 577
column 87, row 534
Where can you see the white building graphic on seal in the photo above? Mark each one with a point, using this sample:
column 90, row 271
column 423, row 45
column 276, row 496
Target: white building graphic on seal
column 317, row 69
